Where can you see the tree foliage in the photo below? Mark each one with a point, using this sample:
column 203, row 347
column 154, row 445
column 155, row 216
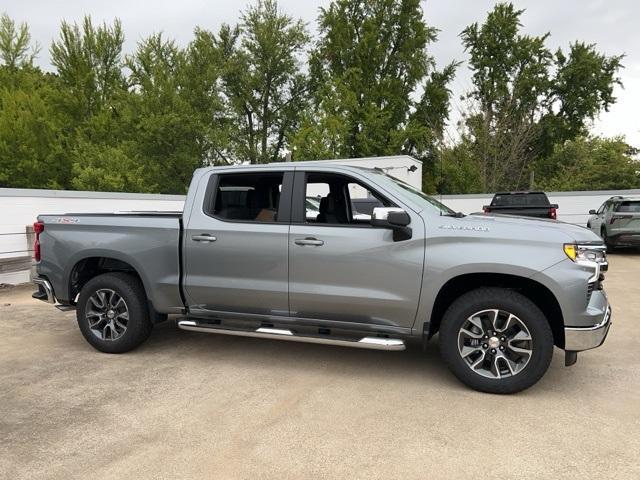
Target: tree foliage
column 16, row 50
column 366, row 71
column 262, row 80
column 525, row 99
column 105, row 119
column 592, row 163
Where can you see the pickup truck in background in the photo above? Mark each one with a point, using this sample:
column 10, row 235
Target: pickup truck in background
column 523, row 204
column 246, row 257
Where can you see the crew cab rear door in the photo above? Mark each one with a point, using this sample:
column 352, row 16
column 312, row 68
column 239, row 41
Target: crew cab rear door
column 235, row 243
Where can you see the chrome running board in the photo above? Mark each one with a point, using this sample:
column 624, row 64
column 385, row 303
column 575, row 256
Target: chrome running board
column 372, row 343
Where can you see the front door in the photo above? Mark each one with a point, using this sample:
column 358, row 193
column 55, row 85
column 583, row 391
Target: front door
column 343, row 269
column 598, row 219
column 235, row 245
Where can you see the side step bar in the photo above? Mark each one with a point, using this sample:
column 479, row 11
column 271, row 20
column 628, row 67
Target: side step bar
column 373, row 343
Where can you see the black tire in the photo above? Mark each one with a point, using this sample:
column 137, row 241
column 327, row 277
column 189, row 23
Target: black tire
column 508, row 301
column 603, row 233
column 138, row 324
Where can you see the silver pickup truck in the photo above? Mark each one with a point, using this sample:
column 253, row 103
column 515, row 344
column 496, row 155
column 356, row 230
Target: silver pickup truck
column 247, row 257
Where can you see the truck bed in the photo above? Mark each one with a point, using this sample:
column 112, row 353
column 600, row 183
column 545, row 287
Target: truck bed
column 147, row 241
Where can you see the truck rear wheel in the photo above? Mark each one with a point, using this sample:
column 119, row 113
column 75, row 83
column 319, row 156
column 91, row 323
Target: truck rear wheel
column 112, row 312
column 496, row 340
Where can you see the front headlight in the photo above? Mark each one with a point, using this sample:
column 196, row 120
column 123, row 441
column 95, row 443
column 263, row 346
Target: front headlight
column 588, row 253
column 593, row 256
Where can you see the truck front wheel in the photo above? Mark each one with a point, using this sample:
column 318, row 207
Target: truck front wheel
column 496, row 340
column 112, row 312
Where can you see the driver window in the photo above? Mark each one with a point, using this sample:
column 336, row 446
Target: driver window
column 337, row 200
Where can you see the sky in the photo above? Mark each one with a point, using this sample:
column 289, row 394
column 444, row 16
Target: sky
column 612, row 25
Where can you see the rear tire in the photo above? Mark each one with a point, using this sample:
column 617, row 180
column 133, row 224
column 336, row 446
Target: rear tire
column 112, row 312
column 603, row 233
column 496, row 340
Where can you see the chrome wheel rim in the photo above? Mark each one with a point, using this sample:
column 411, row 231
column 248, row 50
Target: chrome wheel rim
column 107, row 314
column 495, row 343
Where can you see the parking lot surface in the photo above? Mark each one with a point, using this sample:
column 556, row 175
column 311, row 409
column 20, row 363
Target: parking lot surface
column 190, row 405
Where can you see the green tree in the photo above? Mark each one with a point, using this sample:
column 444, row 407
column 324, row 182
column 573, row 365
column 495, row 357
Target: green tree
column 168, row 138
column 366, row 69
column 89, row 62
column 200, row 88
column 31, row 155
column 525, row 100
column 263, row 82
column 94, row 99
column 592, row 163
column 16, row 49
column 30, row 126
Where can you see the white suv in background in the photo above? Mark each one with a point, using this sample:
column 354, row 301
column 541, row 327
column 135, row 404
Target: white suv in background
column 617, row 221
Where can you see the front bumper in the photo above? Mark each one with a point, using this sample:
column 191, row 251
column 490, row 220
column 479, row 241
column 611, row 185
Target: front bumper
column 45, row 290
column 577, row 339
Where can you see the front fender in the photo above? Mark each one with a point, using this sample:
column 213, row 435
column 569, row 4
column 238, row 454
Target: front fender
column 462, row 253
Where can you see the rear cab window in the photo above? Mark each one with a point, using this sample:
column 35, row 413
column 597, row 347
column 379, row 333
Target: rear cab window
column 629, row 206
column 520, row 200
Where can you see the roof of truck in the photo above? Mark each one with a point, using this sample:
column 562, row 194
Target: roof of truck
column 347, row 162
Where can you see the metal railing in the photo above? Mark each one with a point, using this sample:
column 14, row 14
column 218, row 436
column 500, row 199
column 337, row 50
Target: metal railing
column 21, row 260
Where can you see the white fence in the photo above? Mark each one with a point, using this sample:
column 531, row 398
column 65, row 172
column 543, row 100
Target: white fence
column 20, row 207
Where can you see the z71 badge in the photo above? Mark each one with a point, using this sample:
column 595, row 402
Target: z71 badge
column 67, row 220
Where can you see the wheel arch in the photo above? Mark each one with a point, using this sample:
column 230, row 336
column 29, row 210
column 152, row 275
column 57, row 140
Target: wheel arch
column 89, row 267
column 533, row 290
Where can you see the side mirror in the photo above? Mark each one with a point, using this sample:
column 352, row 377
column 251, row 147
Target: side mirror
column 395, row 219
column 592, row 212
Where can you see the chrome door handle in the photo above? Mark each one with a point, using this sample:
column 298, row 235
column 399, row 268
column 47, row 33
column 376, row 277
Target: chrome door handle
column 203, row 238
column 309, row 241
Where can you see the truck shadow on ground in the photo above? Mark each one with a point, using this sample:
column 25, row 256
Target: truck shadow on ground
column 414, row 366
column 292, row 357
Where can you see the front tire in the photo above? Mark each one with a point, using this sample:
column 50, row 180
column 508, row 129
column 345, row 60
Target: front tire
column 496, row 340
column 112, row 312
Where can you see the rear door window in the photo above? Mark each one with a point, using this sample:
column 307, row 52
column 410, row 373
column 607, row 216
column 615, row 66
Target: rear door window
column 246, row 197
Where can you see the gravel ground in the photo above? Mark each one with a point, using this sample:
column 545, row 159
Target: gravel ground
column 190, row 405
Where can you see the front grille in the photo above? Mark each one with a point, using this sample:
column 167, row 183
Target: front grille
column 590, row 287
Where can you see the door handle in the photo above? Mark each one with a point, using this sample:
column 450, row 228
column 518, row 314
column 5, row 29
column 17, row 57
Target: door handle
column 205, row 237
column 309, row 241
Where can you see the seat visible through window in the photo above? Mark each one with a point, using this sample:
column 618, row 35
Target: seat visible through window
column 336, row 197
column 248, row 197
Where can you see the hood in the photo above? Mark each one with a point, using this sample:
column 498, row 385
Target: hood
column 543, row 226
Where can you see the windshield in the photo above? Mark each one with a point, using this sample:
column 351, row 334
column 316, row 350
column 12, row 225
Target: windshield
column 419, row 197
